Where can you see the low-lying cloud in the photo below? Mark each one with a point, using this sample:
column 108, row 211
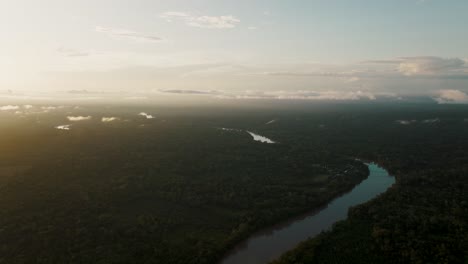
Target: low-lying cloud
column 284, row 95
column 9, row 107
column 78, row 118
column 146, row 115
column 406, row 122
column 63, row 127
column 109, row 119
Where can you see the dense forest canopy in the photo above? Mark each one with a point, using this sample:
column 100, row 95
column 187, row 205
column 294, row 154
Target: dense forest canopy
column 177, row 188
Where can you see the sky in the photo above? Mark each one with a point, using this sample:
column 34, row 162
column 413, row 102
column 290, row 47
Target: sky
column 242, row 49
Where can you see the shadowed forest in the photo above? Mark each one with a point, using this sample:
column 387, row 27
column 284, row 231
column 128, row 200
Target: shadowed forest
column 177, row 188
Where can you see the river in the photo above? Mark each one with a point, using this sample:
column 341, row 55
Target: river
column 269, row 244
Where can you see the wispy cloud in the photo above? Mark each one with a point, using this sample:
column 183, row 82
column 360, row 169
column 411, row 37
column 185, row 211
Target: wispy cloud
column 427, row 66
column 430, row 65
column 213, row 22
column 72, row 52
column 302, row 95
column 9, row 107
column 406, row 122
column 109, row 119
column 128, row 34
column 431, row 121
column 181, row 91
column 286, row 94
column 78, row 118
column 48, row 107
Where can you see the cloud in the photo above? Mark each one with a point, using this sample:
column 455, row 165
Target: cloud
column 431, row 121
column 451, row 97
column 181, row 91
column 430, row 65
column 148, row 116
column 212, row 22
column 348, row 75
column 63, row 127
column 286, row 94
column 48, row 107
column 72, row 52
column 353, row 79
column 9, row 107
column 252, row 28
column 302, row 95
column 128, row 34
column 78, row 118
column 28, row 106
column 108, row 119
column 84, row 91
column 427, row 66
column 173, row 15
column 406, row 122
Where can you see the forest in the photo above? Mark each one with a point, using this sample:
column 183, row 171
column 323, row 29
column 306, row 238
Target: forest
column 177, row 188
column 421, row 219
column 171, row 189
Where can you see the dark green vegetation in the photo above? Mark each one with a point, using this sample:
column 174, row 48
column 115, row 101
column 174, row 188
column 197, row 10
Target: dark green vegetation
column 175, row 189
column 424, row 217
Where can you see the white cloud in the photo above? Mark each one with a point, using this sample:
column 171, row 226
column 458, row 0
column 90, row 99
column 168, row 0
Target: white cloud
column 78, row 118
column 9, row 107
column 406, row 122
column 148, row 116
column 63, row 127
column 28, row 106
column 109, row 119
column 213, row 22
column 452, row 97
column 123, row 33
column 431, row 121
column 260, row 138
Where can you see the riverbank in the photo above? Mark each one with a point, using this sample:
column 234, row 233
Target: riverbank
column 264, row 245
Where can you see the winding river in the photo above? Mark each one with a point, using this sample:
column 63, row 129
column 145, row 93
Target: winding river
column 269, row 244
